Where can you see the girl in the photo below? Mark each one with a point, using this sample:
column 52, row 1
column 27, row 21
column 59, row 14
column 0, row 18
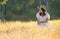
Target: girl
column 42, row 16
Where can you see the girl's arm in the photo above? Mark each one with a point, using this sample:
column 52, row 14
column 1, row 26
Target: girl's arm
column 42, row 21
column 38, row 21
column 46, row 20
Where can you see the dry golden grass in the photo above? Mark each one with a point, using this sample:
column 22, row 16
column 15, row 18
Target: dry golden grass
column 29, row 30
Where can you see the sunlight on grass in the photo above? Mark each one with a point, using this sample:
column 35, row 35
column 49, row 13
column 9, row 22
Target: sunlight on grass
column 29, row 30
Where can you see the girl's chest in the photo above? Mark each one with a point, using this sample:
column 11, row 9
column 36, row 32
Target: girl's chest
column 42, row 18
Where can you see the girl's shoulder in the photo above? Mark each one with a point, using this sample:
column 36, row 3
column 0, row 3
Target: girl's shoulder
column 37, row 14
column 47, row 13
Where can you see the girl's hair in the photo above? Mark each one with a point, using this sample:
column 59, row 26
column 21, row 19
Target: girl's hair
column 43, row 12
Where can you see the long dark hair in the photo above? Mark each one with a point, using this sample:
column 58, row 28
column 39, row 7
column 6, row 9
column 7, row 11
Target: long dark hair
column 42, row 12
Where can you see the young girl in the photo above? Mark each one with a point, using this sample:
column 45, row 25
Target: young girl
column 42, row 16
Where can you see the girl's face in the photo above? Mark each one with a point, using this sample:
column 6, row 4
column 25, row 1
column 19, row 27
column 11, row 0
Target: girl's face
column 40, row 11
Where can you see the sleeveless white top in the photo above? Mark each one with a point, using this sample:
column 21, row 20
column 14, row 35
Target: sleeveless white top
column 43, row 18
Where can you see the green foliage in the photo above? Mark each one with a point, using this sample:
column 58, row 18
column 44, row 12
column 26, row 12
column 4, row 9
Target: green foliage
column 27, row 9
column 3, row 2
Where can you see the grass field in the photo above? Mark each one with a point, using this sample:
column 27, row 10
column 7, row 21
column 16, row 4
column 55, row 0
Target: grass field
column 29, row 30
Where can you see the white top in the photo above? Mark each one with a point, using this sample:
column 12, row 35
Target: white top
column 43, row 18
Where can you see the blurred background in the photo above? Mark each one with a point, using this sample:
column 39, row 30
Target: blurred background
column 12, row 12
column 25, row 10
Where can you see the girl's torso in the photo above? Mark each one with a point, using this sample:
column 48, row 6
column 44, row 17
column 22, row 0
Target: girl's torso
column 43, row 18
